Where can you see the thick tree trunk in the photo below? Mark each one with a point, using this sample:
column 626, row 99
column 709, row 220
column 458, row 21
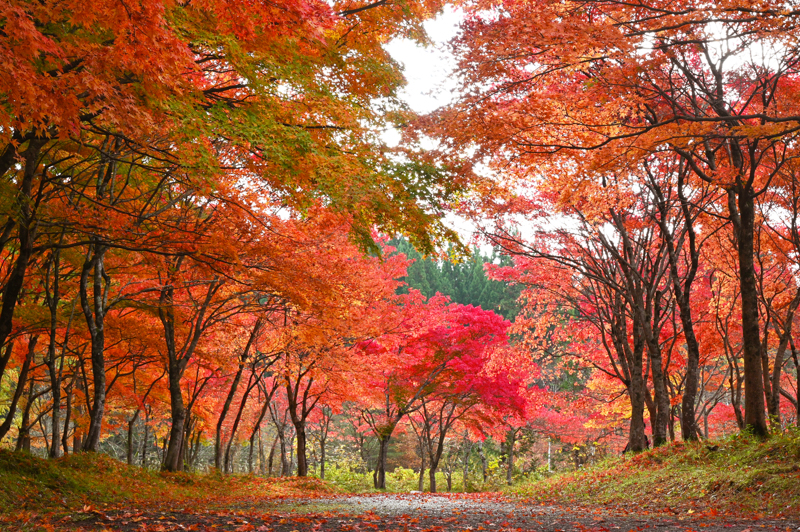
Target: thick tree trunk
column 302, row 460
column 26, row 234
column 754, row 411
column 172, row 460
column 636, row 392
column 661, row 396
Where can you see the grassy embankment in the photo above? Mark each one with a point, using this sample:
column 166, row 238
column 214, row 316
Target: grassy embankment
column 738, row 476
column 32, row 488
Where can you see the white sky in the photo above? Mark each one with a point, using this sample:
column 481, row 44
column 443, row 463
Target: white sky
column 428, row 69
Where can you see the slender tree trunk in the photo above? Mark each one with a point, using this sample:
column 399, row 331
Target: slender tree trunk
column 322, row 458
column 261, row 456
column 238, row 418
column 285, row 465
column 231, row 394
column 131, row 423
column 510, row 469
column 218, row 443
column 796, row 361
column 483, row 461
column 94, row 311
column 465, row 476
column 67, row 418
column 271, row 458
column 682, row 291
column 53, row 296
column 21, row 382
column 774, row 405
column 380, row 468
column 24, row 436
column 421, row 482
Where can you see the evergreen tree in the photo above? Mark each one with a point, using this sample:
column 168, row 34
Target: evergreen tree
column 465, row 282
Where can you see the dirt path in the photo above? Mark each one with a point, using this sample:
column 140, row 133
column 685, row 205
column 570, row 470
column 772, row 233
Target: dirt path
column 407, row 513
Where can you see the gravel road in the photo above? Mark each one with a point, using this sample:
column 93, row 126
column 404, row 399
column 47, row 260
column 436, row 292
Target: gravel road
column 415, row 512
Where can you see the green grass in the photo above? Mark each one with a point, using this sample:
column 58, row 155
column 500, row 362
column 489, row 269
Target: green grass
column 740, row 475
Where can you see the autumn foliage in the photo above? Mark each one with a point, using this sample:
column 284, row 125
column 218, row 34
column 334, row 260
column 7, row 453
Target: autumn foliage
column 197, row 200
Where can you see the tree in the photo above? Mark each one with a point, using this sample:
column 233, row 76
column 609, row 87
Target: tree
column 585, row 89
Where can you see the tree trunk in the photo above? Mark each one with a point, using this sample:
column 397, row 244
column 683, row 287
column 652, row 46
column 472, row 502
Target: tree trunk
column 380, row 467
column 302, row 461
column 285, row 466
column 636, row 392
column 322, row 458
column 774, row 405
column 754, row 411
column 173, row 453
column 421, row 482
column 21, row 382
column 67, row 417
column 235, row 427
column 146, row 436
column 483, row 461
column 131, row 423
column 24, row 436
column 683, row 299
column 271, row 459
column 797, row 381
column 510, row 463
column 218, row 444
column 26, row 234
column 432, row 479
column 232, row 393
column 94, row 313
column 464, row 479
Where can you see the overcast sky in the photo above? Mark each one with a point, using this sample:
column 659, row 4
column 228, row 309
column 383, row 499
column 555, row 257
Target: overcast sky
column 428, row 69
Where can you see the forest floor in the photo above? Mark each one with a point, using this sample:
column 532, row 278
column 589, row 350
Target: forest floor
column 736, row 486
column 397, row 513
